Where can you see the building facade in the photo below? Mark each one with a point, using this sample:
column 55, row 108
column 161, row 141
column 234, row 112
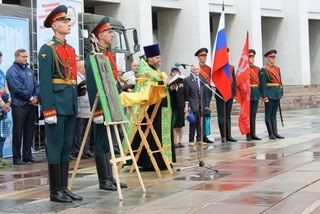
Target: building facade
column 183, row 26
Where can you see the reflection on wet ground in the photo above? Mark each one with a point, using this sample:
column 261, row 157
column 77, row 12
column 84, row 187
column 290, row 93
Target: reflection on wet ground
column 252, row 177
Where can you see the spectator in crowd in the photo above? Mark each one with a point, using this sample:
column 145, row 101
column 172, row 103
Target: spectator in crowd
column 5, row 101
column 129, row 78
column 177, row 104
column 25, row 92
column 83, row 114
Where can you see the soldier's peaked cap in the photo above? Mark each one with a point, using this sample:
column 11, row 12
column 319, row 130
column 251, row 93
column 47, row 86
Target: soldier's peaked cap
column 201, row 51
column 270, row 52
column 57, row 13
column 152, row 50
column 252, row 52
column 103, row 25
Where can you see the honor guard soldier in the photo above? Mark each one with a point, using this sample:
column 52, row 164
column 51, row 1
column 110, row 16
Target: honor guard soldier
column 104, row 34
column 205, row 75
column 58, row 89
column 254, row 96
column 271, row 92
column 220, row 108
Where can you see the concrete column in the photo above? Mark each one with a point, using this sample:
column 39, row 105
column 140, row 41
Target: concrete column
column 314, row 51
column 247, row 18
column 133, row 13
column 291, row 39
column 182, row 32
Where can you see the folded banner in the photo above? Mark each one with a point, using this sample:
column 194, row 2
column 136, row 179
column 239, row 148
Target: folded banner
column 243, row 89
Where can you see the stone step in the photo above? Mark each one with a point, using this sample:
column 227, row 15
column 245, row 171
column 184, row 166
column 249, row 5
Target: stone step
column 295, row 97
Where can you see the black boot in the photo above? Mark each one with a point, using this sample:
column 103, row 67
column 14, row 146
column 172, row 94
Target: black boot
column 110, row 174
column 64, row 182
column 270, row 131
column 275, row 130
column 248, row 137
column 221, row 129
column 56, row 194
column 253, row 131
column 229, row 138
column 206, row 139
column 104, row 182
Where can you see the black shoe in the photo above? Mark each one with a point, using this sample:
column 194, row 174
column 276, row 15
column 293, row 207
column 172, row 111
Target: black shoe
column 272, row 137
column 72, row 157
column 89, row 153
column 278, row 136
column 206, row 139
column 107, row 185
column 255, row 137
column 31, row 161
column 59, row 196
column 180, row 145
column 248, row 137
column 18, row 162
column 83, row 156
column 176, row 145
column 122, row 185
column 231, row 139
column 72, row 195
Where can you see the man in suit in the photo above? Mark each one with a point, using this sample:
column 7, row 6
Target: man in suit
column 271, row 92
column 104, row 34
column 205, row 74
column 193, row 87
column 58, row 90
column 254, row 96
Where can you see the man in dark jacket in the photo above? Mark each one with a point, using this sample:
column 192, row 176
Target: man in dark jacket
column 25, row 92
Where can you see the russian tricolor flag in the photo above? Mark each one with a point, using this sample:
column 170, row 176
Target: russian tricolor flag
column 220, row 73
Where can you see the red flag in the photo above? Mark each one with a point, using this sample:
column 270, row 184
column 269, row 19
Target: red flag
column 221, row 75
column 243, row 89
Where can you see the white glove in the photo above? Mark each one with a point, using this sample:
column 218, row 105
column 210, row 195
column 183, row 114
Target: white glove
column 50, row 120
column 98, row 119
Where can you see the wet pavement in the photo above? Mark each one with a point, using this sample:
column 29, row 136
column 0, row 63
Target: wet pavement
column 281, row 176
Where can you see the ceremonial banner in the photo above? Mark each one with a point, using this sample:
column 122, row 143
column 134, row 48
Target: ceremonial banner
column 243, row 89
column 220, row 73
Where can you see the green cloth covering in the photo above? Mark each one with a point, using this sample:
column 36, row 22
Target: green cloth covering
column 166, row 112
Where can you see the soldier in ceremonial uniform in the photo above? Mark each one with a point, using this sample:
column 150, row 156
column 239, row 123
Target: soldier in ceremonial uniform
column 254, row 96
column 271, row 92
column 104, row 35
column 205, row 75
column 220, row 108
column 58, row 90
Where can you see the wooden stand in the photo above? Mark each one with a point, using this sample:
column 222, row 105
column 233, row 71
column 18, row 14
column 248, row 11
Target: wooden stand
column 143, row 114
column 123, row 157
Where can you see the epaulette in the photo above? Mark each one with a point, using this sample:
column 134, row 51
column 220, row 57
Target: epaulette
column 50, row 43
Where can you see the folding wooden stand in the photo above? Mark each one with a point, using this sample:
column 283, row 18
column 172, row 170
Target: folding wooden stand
column 113, row 114
column 144, row 143
column 114, row 160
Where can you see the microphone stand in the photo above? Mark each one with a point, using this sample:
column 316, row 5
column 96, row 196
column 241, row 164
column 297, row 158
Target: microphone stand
column 200, row 162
